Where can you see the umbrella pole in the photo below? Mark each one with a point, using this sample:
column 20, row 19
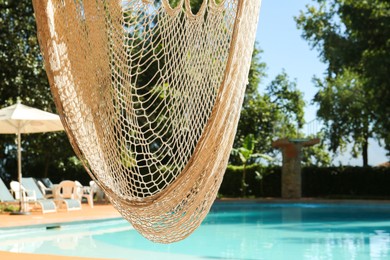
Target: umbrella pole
column 21, row 197
column 22, row 210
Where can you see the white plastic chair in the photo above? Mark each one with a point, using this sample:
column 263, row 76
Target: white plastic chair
column 29, row 195
column 66, row 192
column 84, row 192
column 95, row 189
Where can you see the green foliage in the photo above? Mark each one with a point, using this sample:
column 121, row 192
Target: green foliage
column 8, row 208
column 316, row 155
column 289, row 103
column 269, row 186
column 345, row 109
column 50, row 155
column 21, row 66
column 353, row 39
column 23, row 75
column 195, row 4
column 246, row 153
column 257, row 115
column 278, row 113
column 256, row 74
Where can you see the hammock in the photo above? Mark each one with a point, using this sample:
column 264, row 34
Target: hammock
column 150, row 94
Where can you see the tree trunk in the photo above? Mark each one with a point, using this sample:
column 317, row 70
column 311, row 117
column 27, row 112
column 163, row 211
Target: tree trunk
column 46, row 169
column 365, row 151
column 243, row 182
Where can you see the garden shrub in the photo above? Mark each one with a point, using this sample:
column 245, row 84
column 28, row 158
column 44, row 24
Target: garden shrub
column 338, row 182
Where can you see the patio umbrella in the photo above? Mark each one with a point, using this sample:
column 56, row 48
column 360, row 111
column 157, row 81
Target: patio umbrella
column 20, row 119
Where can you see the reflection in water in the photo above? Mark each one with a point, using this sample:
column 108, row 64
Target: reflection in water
column 291, row 215
column 350, row 246
column 334, row 246
column 22, row 246
column 72, row 242
column 379, row 245
column 41, row 241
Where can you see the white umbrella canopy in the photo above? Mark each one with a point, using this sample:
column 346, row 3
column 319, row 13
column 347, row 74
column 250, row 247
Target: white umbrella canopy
column 20, row 119
column 24, row 119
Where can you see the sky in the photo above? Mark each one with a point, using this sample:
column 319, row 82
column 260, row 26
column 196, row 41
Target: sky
column 284, row 48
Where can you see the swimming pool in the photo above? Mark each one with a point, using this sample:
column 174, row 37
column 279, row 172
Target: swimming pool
column 232, row 230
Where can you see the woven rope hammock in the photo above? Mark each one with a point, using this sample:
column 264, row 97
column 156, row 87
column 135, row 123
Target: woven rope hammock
column 150, row 95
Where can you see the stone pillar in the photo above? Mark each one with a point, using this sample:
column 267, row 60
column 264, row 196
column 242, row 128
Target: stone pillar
column 291, row 169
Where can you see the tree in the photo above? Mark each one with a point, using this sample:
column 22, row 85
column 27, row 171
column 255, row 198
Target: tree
column 352, row 38
column 257, row 115
column 23, row 76
column 277, row 113
column 21, row 66
column 317, row 154
column 346, row 113
column 289, row 104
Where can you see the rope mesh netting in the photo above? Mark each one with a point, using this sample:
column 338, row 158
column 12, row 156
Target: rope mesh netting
column 150, row 93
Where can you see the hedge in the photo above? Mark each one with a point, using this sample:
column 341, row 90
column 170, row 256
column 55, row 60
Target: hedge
column 346, row 181
column 359, row 182
column 268, row 187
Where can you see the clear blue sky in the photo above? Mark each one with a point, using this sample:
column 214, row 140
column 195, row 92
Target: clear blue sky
column 284, row 48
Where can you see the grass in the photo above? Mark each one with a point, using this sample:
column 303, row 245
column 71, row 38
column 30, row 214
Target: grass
column 8, row 208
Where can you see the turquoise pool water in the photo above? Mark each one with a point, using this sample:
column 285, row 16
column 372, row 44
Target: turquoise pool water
column 231, row 231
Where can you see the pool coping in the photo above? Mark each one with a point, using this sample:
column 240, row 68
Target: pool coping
column 62, row 223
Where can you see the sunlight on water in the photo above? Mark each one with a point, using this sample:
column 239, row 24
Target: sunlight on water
column 231, row 231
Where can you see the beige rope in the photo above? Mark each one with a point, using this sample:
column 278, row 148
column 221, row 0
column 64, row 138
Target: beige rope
column 150, row 97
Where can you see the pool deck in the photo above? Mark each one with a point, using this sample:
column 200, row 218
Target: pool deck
column 37, row 218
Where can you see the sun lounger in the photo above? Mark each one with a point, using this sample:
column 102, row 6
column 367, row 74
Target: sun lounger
column 47, row 182
column 47, row 192
column 5, row 194
column 47, row 205
column 6, row 198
